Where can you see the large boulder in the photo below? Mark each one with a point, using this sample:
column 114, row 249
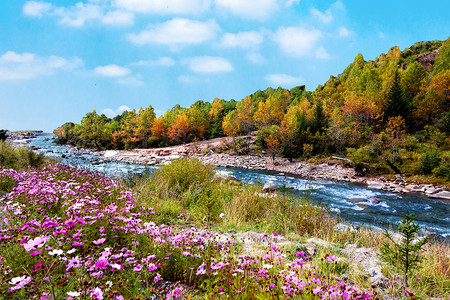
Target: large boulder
column 441, row 195
column 269, row 186
column 375, row 185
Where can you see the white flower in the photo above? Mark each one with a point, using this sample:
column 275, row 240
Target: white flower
column 17, row 279
column 56, row 252
column 116, row 266
column 221, row 215
column 73, row 294
column 267, row 266
column 71, row 251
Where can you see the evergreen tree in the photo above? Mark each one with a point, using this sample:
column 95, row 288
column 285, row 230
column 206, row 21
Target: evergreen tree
column 404, row 255
column 396, row 103
column 319, row 122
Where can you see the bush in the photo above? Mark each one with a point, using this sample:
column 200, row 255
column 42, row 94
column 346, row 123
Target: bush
column 177, row 177
column 429, row 161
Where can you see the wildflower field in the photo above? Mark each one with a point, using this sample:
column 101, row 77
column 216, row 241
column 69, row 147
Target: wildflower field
column 73, row 234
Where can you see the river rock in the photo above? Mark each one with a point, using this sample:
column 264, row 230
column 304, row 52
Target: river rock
column 441, row 195
column 368, row 260
column 413, row 188
column 374, row 185
column 374, row 200
column 431, row 190
column 269, row 186
column 356, row 200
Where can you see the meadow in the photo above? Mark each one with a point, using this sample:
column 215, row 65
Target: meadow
column 74, row 234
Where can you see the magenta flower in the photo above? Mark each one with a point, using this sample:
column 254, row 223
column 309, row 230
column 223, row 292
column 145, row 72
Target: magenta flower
column 157, row 277
column 99, row 241
column 152, row 267
column 97, row 293
column 317, row 290
column 331, row 257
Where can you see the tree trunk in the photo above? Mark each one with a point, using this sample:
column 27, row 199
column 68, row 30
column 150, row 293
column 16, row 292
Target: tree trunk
column 392, row 166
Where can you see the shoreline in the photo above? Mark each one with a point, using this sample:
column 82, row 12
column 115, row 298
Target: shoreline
column 331, row 170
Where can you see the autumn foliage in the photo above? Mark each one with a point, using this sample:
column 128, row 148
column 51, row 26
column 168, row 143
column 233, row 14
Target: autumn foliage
column 375, row 105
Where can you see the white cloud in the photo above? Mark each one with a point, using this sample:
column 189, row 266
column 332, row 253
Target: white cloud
column 118, row 18
column 133, row 81
column 284, row 80
column 77, row 15
column 256, row 58
column 112, row 71
column 15, row 66
column 326, row 17
column 80, row 13
column 296, row 41
column 251, row 9
column 381, row 35
column 244, row 40
column 13, row 57
column 291, row 2
column 322, row 53
column 110, row 113
column 35, row 8
column 160, row 62
column 164, row 6
column 209, row 64
column 344, row 32
column 177, row 32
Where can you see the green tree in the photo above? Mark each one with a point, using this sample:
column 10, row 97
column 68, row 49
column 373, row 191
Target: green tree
column 319, row 122
column 442, row 61
column 404, row 255
column 396, row 103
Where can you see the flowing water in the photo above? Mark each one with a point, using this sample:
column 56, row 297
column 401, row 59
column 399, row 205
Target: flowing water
column 433, row 215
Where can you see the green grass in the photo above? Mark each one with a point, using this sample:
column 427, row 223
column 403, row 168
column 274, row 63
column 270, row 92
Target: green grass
column 19, row 157
column 187, row 192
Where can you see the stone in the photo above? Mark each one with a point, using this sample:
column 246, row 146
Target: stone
column 269, row 186
column 441, row 195
column 356, row 200
column 374, row 200
column 374, row 185
column 432, row 190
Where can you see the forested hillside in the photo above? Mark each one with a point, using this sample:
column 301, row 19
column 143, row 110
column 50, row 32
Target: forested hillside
column 392, row 112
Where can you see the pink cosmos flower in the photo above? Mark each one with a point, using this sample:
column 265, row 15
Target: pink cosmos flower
column 317, row 290
column 97, row 293
column 138, row 268
column 99, row 241
column 157, row 277
column 152, row 267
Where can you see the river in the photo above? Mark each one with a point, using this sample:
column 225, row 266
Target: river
column 432, row 215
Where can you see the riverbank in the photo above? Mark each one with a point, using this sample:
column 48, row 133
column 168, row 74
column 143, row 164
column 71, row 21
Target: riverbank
column 332, row 170
column 213, row 152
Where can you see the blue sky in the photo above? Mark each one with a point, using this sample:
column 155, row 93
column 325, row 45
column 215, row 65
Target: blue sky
column 62, row 59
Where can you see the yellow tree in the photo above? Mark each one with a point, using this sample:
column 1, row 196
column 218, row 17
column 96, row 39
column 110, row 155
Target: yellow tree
column 231, row 126
column 396, row 129
column 180, row 129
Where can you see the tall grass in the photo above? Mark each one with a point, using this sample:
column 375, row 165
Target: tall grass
column 189, row 188
column 19, row 157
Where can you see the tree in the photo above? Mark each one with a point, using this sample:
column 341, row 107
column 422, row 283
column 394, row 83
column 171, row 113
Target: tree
column 442, row 61
column 231, row 127
column 319, row 122
column 180, row 129
column 404, row 255
column 396, row 103
column 396, row 130
column 216, row 115
column 414, row 79
column 273, row 141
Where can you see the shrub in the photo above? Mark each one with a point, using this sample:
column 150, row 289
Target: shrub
column 177, row 177
column 429, row 161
